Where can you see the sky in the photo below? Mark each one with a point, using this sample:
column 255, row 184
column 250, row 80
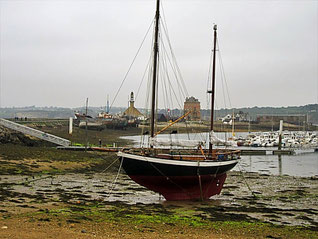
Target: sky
column 60, row 52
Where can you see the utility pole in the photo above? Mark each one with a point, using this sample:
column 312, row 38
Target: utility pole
column 86, row 136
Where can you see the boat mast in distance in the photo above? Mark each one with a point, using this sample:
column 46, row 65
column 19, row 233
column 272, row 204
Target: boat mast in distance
column 213, row 90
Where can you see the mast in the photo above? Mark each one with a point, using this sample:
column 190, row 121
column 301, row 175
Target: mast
column 154, row 76
column 213, row 88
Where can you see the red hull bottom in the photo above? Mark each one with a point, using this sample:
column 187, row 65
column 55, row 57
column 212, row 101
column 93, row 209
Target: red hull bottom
column 183, row 187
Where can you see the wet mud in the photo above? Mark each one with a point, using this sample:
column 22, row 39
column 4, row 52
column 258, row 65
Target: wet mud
column 45, row 185
column 280, row 200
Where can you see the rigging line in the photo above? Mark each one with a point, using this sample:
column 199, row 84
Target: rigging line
column 172, row 87
column 114, row 182
column 147, row 98
column 170, row 104
column 149, row 83
column 166, row 72
column 222, row 81
column 143, row 77
column 149, row 68
column 175, row 68
column 165, row 27
column 167, row 81
column 167, row 90
column 223, row 71
column 152, row 22
column 163, row 84
column 209, row 81
column 163, row 69
column 188, row 133
column 147, row 102
column 174, row 93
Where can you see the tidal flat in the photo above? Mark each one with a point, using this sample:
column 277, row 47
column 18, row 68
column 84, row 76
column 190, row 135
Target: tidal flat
column 46, row 192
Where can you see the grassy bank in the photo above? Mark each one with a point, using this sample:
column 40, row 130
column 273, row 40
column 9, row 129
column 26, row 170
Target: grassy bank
column 23, row 160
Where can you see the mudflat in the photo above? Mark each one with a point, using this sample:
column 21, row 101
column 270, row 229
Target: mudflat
column 50, row 193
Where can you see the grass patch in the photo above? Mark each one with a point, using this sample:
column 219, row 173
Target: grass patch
column 17, row 159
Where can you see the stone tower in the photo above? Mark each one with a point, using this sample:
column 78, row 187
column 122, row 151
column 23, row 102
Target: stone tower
column 192, row 104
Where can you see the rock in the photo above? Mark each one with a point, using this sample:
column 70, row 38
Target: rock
column 4, row 227
column 83, row 231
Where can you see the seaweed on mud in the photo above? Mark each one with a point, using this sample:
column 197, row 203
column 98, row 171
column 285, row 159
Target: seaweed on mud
column 273, row 237
column 72, row 221
column 44, row 219
column 230, row 187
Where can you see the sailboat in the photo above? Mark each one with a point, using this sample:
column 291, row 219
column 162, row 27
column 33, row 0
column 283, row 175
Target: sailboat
column 180, row 174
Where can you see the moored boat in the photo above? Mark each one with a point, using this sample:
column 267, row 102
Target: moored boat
column 177, row 173
column 184, row 176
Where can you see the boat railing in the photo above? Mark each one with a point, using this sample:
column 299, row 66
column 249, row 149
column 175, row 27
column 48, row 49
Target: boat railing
column 182, row 153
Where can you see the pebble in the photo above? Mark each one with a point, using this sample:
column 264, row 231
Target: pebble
column 4, row 227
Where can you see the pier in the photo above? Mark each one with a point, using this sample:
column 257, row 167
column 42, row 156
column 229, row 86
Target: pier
column 267, row 152
column 34, row 132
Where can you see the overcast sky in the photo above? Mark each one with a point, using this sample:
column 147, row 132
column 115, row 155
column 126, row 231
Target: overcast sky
column 58, row 52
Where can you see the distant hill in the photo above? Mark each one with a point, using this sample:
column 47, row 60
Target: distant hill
column 58, row 112
column 311, row 110
column 52, row 112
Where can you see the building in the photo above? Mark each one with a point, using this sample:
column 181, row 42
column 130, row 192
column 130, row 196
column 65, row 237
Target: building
column 132, row 112
column 238, row 117
column 193, row 105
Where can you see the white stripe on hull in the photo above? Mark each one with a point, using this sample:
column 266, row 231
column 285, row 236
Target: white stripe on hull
column 205, row 163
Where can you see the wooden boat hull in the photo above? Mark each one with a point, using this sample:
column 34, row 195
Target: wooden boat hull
column 177, row 188
column 177, row 179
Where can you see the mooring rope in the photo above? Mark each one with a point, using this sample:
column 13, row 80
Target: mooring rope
column 114, row 182
column 109, row 166
column 249, row 188
column 27, row 181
